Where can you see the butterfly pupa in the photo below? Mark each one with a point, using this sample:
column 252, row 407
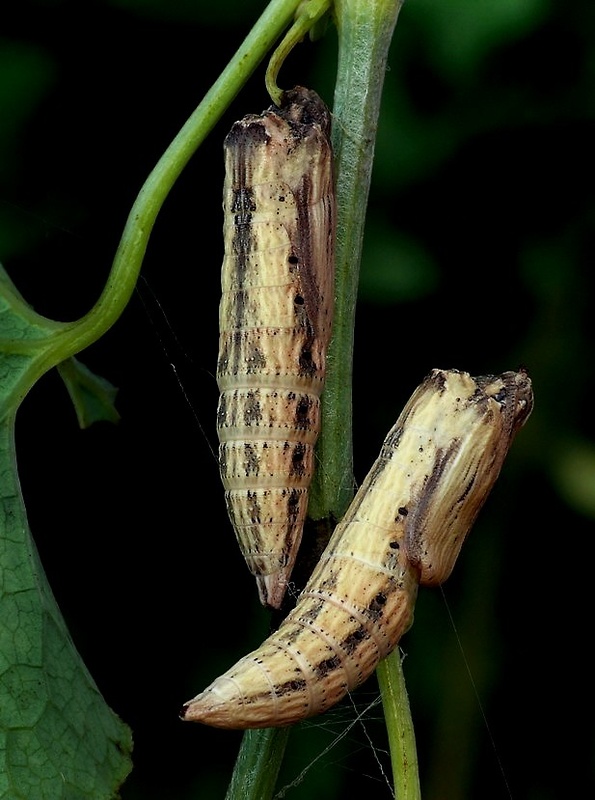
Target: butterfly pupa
column 405, row 526
column 274, row 326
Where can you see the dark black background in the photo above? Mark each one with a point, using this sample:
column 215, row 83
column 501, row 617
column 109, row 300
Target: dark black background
column 484, row 178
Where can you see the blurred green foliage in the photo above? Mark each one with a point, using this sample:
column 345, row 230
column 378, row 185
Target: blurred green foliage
column 477, row 256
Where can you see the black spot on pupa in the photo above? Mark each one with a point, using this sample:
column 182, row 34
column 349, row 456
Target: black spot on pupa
column 376, row 607
column 328, row 665
column 256, row 360
column 302, row 412
column 403, row 511
column 289, row 687
column 251, row 460
column 297, row 460
column 355, row 638
column 293, row 506
column 306, row 364
column 252, row 409
column 253, row 507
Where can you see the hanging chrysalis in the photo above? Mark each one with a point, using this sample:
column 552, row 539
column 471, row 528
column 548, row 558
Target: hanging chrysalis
column 405, row 526
column 275, row 324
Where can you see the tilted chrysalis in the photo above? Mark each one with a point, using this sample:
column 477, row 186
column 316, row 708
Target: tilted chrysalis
column 275, row 324
column 405, row 526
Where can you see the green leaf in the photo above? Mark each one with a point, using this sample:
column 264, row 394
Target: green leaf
column 58, row 737
column 92, row 396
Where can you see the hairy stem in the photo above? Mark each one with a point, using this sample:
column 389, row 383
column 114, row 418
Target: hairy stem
column 365, row 29
column 399, row 725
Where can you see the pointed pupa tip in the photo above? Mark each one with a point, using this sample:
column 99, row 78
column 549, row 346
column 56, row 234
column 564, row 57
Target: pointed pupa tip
column 185, row 712
column 272, row 588
column 193, row 710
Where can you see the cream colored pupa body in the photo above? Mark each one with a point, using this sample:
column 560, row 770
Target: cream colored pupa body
column 405, row 526
column 275, row 325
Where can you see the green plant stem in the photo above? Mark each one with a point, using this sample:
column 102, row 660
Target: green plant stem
column 401, row 735
column 257, row 766
column 365, row 30
column 309, row 14
column 71, row 338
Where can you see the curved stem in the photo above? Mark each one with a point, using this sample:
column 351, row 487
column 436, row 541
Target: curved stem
column 126, row 266
column 309, row 14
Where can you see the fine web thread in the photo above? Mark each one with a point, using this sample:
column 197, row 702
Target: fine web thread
column 373, row 748
column 477, row 697
column 359, row 718
column 168, row 354
column 338, row 738
column 359, row 714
